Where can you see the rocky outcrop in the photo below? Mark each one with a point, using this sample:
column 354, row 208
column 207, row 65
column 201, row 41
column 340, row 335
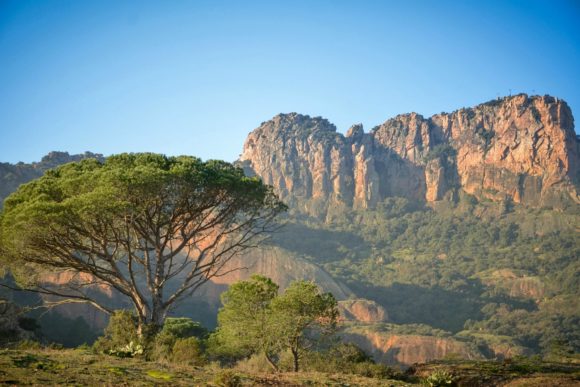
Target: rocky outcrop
column 519, row 148
column 515, row 284
column 362, row 310
column 405, row 350
column 278, row 264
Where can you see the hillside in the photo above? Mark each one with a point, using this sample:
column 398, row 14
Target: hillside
column 454, row 235
column 465, row 223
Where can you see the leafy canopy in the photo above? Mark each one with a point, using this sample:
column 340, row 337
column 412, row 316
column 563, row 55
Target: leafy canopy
column 255, row 319
column 138, row 224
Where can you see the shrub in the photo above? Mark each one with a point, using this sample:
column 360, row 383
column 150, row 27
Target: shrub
column 227, row 378
column 188, row 350
column 121, row 331
column 440, row 378
column 183, row 327
column 130, row 350
column 256, row 363
column 174, row 330
column 28, row 344
column 347, row 358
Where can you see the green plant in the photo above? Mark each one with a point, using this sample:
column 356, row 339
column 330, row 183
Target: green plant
column 159, row 375
column 102, row 218
column 176, row 330
column 440, row 378
column 227, row 378
column 28, row 344
column 130, row 350
column 122, row 329
column 188, row 350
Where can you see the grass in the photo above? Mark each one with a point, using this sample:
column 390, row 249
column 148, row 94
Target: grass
column 78, row 367
column 81, row 367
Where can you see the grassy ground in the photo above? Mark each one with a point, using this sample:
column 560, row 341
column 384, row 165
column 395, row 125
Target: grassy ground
column 81, row 367
column 76, row 367
column 515, row 372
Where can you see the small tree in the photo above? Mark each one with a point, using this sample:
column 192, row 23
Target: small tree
column 302, row 316
column 254, row 319
column 139, row 224
column 244, row 322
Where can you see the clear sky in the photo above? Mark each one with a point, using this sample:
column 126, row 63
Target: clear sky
column 194, row 77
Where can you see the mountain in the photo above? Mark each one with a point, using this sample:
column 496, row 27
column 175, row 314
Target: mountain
column 462, row 226
column 456, row 234
column 523, row 149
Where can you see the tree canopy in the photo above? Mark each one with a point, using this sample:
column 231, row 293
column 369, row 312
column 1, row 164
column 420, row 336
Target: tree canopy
column 255, row 319
column 150, row 227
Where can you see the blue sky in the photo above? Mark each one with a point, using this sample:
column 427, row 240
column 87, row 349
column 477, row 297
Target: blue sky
column 194, row 77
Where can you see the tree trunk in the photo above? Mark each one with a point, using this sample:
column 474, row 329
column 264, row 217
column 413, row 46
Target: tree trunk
column 295, row 355
column 271, row 362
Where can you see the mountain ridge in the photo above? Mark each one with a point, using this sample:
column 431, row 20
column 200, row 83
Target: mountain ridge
column 523, row 149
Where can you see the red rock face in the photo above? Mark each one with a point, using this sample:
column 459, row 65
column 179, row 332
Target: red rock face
column 405, row 350
column 519, row 148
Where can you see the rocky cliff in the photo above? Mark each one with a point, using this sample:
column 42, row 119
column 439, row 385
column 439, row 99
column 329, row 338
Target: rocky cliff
column 407, row 349
column 523, row 149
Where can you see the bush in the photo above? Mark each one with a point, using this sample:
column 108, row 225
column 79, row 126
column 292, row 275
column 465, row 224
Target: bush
column 121, row 331
column 347, row 358
column 189, row 351
column 183, row 327
column 130, row 350
column 175, row 330
column 440, row 378
column 256, row 363
column 227, row 378
column 28, row 345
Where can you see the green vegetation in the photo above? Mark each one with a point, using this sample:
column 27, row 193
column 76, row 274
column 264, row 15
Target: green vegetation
column 502, row 277
column 440, row 378
column 79, row 367
column 500, row 270
column 255, row 319
column 150, row 228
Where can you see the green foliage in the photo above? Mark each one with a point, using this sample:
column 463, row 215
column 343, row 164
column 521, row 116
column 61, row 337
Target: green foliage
column 130, row 350
column 121, row 330
column 303, row 316
column 183, row 327
column 449, row 261
column 188, row 351
column 348, row 359
column 28, row 344
column 244, row 322
column 103, row 220
column 176, row 330
column 254, row 319
column 227, row 378
column 440, row 378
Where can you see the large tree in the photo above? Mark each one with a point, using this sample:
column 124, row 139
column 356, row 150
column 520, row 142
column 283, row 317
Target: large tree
column 151, row 227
